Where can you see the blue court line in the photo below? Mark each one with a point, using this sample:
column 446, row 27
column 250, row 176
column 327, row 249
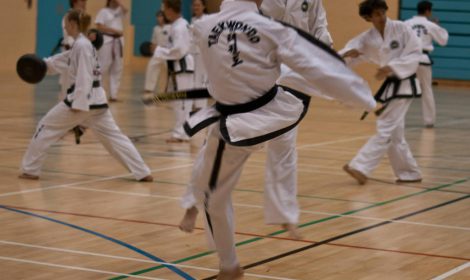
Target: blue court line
column 183, row 274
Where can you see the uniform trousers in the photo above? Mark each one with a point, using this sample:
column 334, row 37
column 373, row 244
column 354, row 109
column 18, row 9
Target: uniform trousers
column 181, row 108
column 390, row 139
column 424, row 75
column 61, row 119
column 156, row 76
column 111, row 62
column 216, row 171
column 200, row 80
column 280, row 191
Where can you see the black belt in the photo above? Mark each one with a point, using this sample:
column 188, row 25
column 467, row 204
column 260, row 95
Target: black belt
column 428, row 53
column 96, row 84
column 395, row 83
column 246, row 107
column 183, row 66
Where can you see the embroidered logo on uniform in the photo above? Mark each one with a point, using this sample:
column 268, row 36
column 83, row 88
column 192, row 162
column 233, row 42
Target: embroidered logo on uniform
column 420, row 29
column 234, row 27
column 394, row 45
column 304, row 6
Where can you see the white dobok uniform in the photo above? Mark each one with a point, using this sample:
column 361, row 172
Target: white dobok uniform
column 180, row 70
column 200, row 74
column 67, row 42
column 400, row 49
column 156, row 75
column 280, row 192
column 86, row 95
column 428, row 32
column 111, row 53
column 242, row 52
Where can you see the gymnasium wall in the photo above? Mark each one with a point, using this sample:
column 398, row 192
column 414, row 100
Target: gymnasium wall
column 453, row 61
column 20, row 38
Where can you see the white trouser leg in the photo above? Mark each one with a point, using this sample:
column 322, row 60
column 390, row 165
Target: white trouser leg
column 280, row 191
column 162, row 78
column 105, row 60
column 200, row 80
column 182, row 108
column 156, row 75
column 118, row 145
column 115, row 70
column 373, row 151
column 217, row 172
column 55, row 124
column 401, row 159
column 428, row 104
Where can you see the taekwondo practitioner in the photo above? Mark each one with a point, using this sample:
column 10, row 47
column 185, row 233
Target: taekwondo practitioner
column 180, row 65
column 280, row 204
column 396, row 49
column 243, row 52
column 110, row 21
column 428, row 32
column 200, row 75
column 85, row 104
column 67, row 42
column 156, row 75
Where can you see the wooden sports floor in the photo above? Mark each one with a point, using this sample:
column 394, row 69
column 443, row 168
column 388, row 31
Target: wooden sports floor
column 88, row 219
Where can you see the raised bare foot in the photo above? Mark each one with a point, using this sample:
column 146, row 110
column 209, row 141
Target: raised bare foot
column 188, row 222
column 233, row 274
column 292, row 230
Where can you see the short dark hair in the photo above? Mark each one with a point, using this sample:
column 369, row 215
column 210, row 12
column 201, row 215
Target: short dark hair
column 175, row 5
column 368, row 6
column 162, row 14
column 423, row 7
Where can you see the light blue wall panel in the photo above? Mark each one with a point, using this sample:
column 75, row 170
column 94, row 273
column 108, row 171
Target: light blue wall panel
column 453, row 61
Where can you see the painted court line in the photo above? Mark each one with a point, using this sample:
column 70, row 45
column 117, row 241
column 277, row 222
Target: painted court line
column 103, row 236
column 261, row 207
column 90, row 181
column 330, row 240
column 48, row 248
column 452, row 272
column 78, row 268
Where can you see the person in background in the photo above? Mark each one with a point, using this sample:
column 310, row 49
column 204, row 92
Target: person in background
column 67, row 42
column 180, row 66
column 85, row 104
column 110, row 21
column 200, row 75
column 394, row 47
column 429, row 32
column 156, row 75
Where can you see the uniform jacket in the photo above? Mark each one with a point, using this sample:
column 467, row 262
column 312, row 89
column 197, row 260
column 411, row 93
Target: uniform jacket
column 80, row 64
column 179, row 45
column 243, row 51
column 400, row 49
column 428, row 32
column 308, row 15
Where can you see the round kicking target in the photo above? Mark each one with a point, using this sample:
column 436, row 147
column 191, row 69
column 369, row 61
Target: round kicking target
column 31, row 68
column 146, row 49
column 96, row 38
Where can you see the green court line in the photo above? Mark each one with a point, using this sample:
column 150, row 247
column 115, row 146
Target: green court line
column 301, row 226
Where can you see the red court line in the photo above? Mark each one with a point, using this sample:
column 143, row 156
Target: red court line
column 244, row 233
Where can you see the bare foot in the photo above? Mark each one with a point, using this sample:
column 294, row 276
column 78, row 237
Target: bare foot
column 175, row 140
column 148, row 178
column 356, row 174
column 232, row 274
column 28, row 176
column 188, row 222
column 292, row 230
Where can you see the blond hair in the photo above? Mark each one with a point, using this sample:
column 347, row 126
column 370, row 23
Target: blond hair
column 82, row 19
